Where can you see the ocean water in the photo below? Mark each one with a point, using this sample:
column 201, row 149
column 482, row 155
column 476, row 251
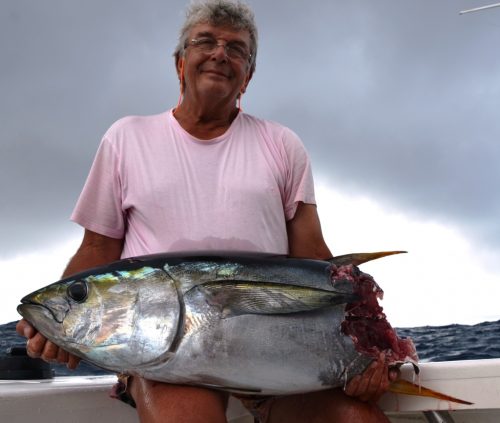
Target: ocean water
column 434, row 343
column 455, row 342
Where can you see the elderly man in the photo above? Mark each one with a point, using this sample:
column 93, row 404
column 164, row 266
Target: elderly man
column 207, row 176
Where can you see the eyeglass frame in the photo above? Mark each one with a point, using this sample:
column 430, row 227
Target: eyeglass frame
column 193, row 43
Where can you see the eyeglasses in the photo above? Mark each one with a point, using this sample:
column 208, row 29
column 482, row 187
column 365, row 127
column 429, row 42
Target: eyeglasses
column 233, row 50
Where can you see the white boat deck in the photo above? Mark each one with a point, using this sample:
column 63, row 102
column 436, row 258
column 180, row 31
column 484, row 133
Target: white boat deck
column 85, row 399
column 476, row 381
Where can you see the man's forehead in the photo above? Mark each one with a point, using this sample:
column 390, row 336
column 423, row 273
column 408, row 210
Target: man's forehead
column 226, row 32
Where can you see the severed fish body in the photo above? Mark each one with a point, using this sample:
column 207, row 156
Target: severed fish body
column 254, row 324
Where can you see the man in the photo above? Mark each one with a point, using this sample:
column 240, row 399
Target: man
column 207, row 176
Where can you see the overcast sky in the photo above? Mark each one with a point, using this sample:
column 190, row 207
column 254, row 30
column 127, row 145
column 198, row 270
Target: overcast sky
column 397, row 102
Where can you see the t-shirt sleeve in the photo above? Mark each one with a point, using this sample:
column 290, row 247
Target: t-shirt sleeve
column 99, row 207
column 299, row 185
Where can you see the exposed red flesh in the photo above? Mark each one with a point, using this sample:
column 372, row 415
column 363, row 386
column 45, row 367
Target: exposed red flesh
column 365, row 321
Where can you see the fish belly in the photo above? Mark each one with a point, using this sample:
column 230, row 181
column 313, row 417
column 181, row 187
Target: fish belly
column 262, row 354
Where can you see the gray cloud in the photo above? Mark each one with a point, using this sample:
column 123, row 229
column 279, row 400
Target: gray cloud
column 396, row 99
column 400, row 101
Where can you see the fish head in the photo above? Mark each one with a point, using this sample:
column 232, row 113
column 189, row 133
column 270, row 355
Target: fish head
column 47, row 308
column 116, row 320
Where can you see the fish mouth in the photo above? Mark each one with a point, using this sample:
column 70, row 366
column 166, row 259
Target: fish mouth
column 29, row 300
column 30, row 307
column 27, row 304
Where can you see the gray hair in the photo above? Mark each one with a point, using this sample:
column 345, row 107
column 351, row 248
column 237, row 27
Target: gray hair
column 232, row 13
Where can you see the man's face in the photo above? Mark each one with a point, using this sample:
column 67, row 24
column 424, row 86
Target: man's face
column 217, row 73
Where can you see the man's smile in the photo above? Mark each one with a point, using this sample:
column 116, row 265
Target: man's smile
column 215, row 72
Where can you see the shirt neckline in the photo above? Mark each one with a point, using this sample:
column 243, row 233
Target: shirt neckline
column 196, row 140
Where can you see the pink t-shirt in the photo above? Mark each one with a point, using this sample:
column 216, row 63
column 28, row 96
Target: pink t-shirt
column 164, row 190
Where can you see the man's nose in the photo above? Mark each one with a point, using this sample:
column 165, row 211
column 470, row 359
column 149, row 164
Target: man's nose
column 220, row 52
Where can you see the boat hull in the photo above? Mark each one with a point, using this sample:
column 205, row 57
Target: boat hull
column 85, row 398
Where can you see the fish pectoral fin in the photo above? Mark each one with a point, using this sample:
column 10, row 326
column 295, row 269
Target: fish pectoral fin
column 235, row 298
column 402, row 386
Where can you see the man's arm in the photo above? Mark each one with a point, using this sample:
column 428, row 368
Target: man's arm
column 95, row 250
column 305, row 240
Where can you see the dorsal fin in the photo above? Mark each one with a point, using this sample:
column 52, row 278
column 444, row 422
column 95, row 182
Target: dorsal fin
column 359, row 258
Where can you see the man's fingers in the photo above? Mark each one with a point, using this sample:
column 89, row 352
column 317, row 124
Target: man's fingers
column 50, row 351
column 24, row 328
column 62, row 356
column 352, row 387
column 363, row 391
column 378, row 381
column 38, row 346
column 35, row 345
column 73, row 361
column 372, row 383
column 359, row 384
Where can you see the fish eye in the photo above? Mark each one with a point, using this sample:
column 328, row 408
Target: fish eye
column 78, row 291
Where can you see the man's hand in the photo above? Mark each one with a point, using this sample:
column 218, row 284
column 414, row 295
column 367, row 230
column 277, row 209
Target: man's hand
column 38, row 346
column 373, row 382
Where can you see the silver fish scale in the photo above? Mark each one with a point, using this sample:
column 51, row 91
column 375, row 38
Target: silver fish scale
column 262, row 354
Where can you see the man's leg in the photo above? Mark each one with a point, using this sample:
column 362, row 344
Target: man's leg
column 159, row 402
column 332, row 406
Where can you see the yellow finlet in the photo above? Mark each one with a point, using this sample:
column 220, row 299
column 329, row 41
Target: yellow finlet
column 402, row 386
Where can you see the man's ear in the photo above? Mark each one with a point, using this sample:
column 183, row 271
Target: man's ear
column 246, row 82
column 179, row 66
